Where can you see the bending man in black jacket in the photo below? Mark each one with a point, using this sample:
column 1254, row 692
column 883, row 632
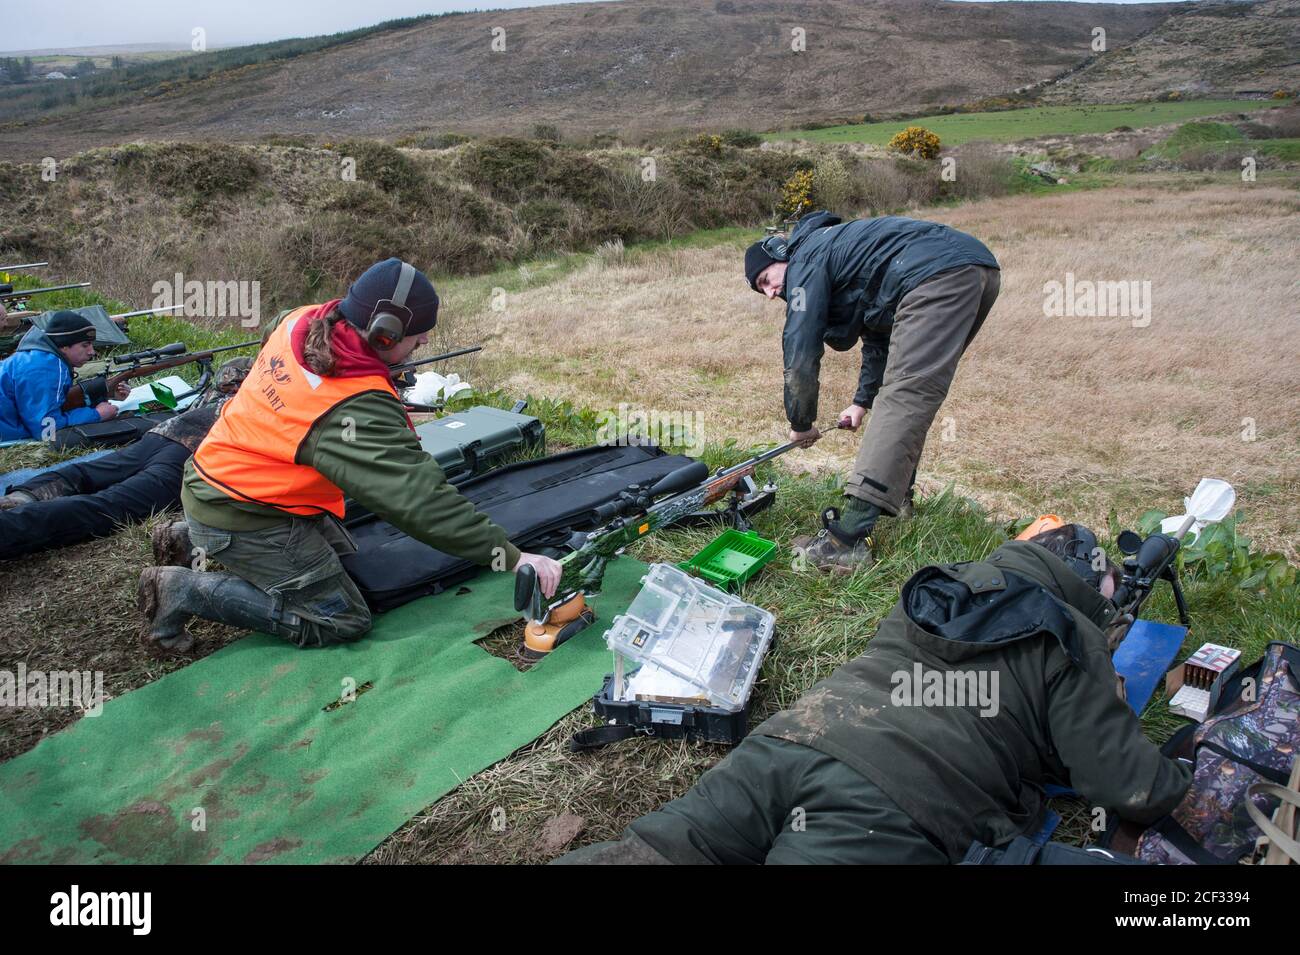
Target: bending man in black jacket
column 988, row 680
column 914, row 293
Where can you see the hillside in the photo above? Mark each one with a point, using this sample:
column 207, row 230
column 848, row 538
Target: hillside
column 1209, row 49
column 631, row 66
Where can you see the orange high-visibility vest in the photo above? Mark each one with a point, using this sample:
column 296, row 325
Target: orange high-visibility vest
column 251, row 452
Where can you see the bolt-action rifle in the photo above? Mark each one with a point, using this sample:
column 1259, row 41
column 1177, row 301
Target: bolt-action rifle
column 1152, row 559
column 636, row 512
column 11, row 296
column 91, row 391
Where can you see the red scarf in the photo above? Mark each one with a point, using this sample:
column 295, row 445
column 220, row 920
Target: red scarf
column 353, row 356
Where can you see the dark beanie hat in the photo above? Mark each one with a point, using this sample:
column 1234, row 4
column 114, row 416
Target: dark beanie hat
column 762, row 254
column 69, row 328
column 383, row 282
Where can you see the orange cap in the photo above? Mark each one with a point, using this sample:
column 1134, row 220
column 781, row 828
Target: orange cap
column 1047, row 522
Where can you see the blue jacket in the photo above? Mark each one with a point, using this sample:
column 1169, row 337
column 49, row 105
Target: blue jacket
column 852, row 277
column 34, row 383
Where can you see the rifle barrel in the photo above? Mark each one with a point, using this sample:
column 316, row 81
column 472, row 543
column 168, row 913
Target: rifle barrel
column 148, row 311
column 25, row 292
column 27, row 265
column 768, row 455
column 213, row 351
column 399, row 369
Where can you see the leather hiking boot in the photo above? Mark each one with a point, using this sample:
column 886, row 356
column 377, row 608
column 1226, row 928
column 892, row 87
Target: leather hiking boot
column 171, row 544
column 832, row 550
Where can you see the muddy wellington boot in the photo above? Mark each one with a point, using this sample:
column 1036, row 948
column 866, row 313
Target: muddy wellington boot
column 169, row 596
column 171, row 544
column 843, row 545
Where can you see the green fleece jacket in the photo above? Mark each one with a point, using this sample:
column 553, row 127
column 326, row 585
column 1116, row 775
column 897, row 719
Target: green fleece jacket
column 381, row 466
column 1024, row 627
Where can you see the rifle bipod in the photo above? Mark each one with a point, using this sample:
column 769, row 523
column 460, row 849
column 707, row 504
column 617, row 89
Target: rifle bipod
column 567, row 620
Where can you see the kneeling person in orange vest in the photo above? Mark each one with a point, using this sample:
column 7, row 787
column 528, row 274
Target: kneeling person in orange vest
column 317, row 418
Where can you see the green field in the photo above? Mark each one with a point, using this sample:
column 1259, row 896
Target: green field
column 1010, row 125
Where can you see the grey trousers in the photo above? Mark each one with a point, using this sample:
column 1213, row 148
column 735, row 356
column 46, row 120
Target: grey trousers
column 933, row 326
column 297, row 562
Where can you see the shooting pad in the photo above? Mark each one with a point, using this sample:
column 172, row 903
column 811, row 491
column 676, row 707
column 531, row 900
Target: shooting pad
column 244, row 734
column 107, row 332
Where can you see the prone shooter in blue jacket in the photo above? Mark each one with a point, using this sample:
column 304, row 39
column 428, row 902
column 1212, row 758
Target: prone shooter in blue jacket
column 35, row 379
column 914, row 293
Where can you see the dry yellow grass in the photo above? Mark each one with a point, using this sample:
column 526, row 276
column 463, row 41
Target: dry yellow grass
column 1076, row 415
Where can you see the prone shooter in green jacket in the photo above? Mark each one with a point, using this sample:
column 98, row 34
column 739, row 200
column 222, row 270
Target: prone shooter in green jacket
column 317, row 418
column 988, row 680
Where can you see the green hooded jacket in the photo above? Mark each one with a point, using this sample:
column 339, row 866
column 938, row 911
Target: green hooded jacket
column 988, row 680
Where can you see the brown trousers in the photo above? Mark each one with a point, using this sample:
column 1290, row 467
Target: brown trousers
column 933, row 326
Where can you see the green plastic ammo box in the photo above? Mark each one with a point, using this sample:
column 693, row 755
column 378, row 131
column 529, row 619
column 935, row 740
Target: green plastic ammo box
column 479, row 439
column 467, row 443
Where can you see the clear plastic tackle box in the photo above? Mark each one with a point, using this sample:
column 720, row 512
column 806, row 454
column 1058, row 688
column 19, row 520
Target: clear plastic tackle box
column 695, row 632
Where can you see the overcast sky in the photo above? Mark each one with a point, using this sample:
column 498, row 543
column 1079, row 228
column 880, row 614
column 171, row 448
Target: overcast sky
column 61, row 24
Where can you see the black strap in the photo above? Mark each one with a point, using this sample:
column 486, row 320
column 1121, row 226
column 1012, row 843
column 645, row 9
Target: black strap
column 1183, row 841
column 1268, row 772
column 1176, row 745
column 598, row 736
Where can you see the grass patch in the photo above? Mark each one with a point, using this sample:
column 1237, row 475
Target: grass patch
column 1013, row 124
column 1194, row 136
column 1287, row 150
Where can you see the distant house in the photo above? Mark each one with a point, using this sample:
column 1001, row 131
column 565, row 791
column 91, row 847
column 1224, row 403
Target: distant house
column 56, row 75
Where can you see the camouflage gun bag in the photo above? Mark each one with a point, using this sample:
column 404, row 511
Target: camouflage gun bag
column 1243, row 756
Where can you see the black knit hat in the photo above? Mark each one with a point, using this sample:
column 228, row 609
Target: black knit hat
column 762, row 254
column 382, row 282
column 69, row 328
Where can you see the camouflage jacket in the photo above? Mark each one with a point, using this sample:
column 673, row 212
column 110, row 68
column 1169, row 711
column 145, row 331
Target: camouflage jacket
column 988, row 680
column 189, row 428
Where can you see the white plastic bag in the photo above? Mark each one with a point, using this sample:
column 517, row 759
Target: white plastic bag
column 431, row 388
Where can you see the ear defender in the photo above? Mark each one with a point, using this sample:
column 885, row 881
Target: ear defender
column 775, row 247
column 386, row 328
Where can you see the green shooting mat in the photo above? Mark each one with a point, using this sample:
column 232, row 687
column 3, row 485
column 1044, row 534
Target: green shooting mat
column 258, row 752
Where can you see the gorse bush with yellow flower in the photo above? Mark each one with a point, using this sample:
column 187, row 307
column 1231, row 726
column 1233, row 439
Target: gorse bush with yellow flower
column 796, row 194
column 915, row 141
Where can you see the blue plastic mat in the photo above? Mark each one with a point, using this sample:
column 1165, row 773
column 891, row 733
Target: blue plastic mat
column 1145, row 656
column 23, row 475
